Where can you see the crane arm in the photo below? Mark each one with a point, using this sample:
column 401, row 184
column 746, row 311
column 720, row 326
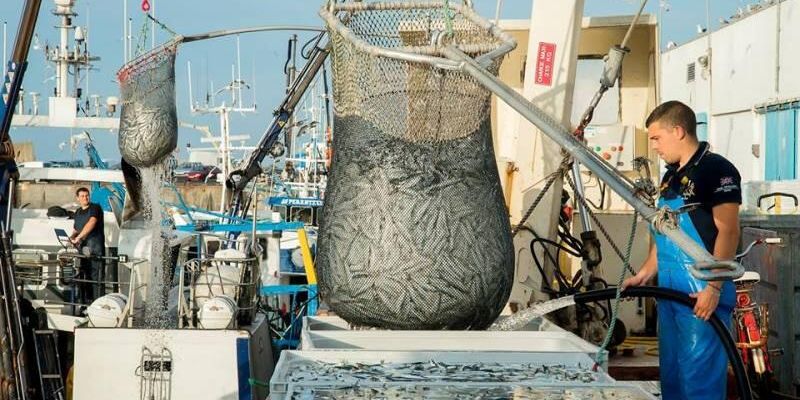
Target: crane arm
column 12, row 82
column 240, row 178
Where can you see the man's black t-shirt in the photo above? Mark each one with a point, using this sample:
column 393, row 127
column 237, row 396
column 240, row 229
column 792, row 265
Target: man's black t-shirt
column 707, row 179
column 96, row 236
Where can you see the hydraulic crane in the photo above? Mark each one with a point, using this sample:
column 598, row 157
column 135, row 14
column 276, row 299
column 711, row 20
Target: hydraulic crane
column 12, row 330
column 268, row 144
column 12, row 83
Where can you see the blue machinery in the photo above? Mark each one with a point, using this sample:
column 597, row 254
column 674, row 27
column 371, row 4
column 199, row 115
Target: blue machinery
column 108, row 199
column 239, row 180
column 302, row 299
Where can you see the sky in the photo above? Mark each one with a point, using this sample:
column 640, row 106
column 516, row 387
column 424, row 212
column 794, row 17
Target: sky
column 262, row 54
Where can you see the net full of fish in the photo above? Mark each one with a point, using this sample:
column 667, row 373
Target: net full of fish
column 148, row 127
column 414, row 233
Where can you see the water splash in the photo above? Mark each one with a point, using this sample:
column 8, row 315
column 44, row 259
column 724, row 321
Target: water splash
column 524, row 317
column 159, row 280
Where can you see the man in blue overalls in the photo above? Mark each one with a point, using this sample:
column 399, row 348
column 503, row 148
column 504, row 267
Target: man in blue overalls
column 693, row 362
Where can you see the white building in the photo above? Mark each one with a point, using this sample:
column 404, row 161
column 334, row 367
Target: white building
column 743, row 80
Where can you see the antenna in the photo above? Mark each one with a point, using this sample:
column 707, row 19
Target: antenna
column 153, row 24
column 130, row 38
column 233, row 86
column 211, row 96
column 125, row 32
column 86, row 47
column 206, row 79
column 253, row 75
column 189, row 77
column 239, row 69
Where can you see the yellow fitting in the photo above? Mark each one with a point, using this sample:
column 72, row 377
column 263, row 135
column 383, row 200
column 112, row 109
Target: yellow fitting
column 308, row 262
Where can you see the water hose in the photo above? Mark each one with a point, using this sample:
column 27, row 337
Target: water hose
column 742, row 383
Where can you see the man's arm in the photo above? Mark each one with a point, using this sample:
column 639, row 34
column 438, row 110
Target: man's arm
column 726, row 219
column 647, row 271
column 87, row 229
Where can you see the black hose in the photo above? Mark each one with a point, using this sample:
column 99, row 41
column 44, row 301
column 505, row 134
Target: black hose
column 742, row 383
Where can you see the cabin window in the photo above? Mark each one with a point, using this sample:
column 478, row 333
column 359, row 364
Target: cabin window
column 780, row 156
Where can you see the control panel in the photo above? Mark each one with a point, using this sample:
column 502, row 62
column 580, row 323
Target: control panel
column 614, row 143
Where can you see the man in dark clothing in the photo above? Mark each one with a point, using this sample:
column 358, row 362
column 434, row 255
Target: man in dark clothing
column 693, row 362
column 89, row 238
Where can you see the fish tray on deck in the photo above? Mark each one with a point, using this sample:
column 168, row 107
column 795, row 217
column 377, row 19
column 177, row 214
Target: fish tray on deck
column 334, row 323
column 292, row 376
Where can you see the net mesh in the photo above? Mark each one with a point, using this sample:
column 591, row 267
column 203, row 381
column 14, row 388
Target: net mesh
column 148, row 128
column 414, row 233
column 425, row 103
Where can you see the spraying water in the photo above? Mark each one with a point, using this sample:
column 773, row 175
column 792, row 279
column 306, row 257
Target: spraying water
column 524, row 317
column 160, row 277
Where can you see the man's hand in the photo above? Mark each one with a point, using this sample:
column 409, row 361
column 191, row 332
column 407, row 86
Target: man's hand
column 636, row 280
column 76, row 240
column 647, row 272
column 707, row 300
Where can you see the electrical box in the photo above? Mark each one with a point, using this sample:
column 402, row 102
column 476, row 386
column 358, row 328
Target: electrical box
column 63, row 111
column 614, row 143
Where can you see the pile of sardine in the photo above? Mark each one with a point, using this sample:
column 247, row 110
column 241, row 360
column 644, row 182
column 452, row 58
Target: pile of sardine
column 471, row 393
column 344, row 373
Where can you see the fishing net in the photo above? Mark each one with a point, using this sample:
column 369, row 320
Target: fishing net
column 148, row 127
column 414, row 233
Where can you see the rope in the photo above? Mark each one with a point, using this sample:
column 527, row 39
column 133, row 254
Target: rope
column 161, row 25
column 142, row 43
column 560, row 172
column 602, row 353
column 448, row 17
column 664, row 218
column 600, row 226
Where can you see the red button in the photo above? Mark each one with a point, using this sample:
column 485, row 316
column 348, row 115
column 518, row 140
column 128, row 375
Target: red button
column 606, row 156
column 619, row 148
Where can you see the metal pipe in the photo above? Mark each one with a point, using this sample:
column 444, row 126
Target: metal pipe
column 420, row 54
column 5, row 350
column 14, row 319
column 705, row 262
column 11, row 185
column 586, row 222
column 497, row 12
column 633, row 25
column 5, row 48
column 266, row 28
column 25, row 30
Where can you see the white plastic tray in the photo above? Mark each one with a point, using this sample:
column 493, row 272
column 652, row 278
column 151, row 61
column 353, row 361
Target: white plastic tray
column 290, row 360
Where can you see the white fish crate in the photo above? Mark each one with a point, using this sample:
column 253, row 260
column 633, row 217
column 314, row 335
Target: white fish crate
column 331, row 369
column 334, row 323
column 525, row 341
column 471, row 391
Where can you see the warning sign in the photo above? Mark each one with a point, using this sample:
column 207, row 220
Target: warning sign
column 544, row 64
